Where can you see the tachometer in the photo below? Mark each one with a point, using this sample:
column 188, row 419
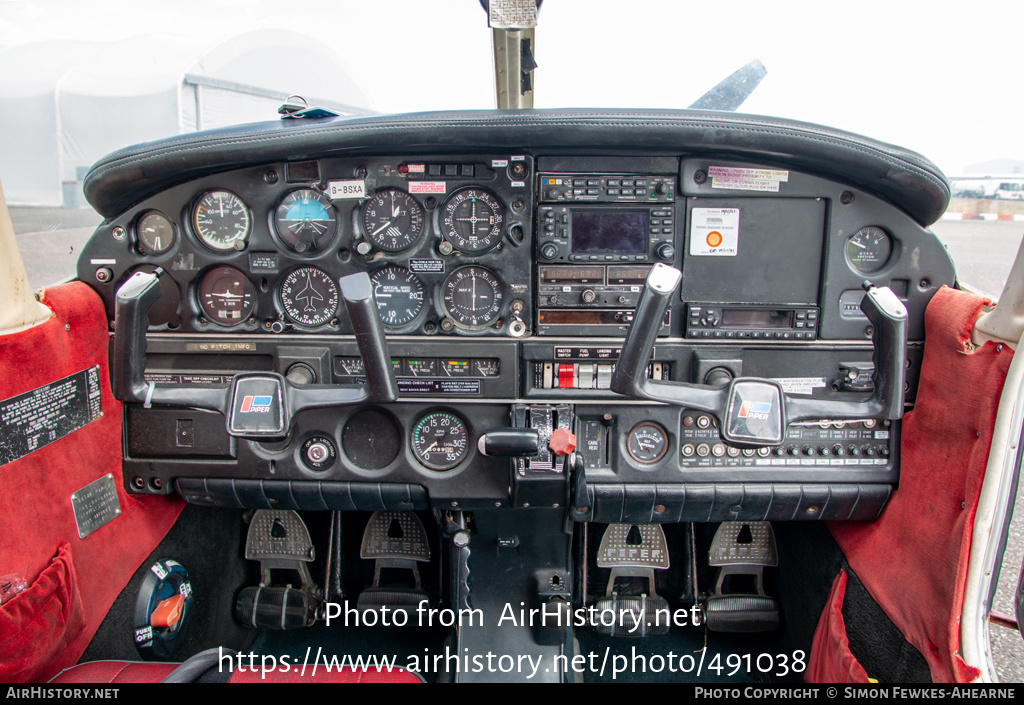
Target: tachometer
column 309, row 296
column 399, row 295
column 472, row 220
column 440, row 441
column 472, row 297
column 869, row 249
column 226, row 296
column 393, row 220
column 222, row 221
column 305, row 220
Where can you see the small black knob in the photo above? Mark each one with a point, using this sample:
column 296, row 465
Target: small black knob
column 588, row 296
column 549, row 250
column 662, row 188
column 838, row 449
column 666, row 251
column 552, row 193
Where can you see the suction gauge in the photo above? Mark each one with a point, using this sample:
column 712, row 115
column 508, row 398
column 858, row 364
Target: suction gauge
column 306, row 221
column 869, row 249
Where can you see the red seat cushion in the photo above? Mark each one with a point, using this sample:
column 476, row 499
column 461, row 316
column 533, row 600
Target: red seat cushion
column 115, row 672
column 140, row 672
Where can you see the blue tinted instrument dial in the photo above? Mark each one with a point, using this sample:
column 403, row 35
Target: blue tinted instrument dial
column 306, row 221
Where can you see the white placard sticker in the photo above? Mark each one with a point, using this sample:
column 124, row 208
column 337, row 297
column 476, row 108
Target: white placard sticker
column 715, row 232
column 338, row 190
column 426, row 187
column 496, row 163
column 742, row 179
column 800, row 385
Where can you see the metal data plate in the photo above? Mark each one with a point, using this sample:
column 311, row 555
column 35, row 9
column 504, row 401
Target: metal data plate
column 407, row 540
column 37, row 418
column 278, row 534
column 760, row 550
column 512, row 14
column 95, row 504
column 617, row 551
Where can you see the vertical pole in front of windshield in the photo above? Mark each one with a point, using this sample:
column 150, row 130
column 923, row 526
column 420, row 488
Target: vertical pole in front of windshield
column 512, row 24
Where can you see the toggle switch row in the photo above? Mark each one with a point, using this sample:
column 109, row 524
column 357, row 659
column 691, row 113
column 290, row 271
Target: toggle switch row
column 586, row 375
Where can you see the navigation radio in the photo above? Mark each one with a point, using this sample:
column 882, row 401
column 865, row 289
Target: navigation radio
column 598, row 235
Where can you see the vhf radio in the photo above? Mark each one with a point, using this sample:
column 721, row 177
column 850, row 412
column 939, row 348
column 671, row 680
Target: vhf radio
column 598, row 236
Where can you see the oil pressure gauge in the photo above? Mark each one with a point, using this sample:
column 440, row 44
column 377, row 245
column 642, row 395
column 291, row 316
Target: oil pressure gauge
column 869, row 249
column 647, row 443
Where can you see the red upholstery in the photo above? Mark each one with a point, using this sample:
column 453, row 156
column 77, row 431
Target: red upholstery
column 73, row 581
column 115, row 672
column 831, row 660
column 913, row 559
column 131, row 672
column 343, row 675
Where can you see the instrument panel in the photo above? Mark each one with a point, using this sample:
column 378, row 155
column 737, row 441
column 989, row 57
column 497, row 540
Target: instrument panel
column 261, row 250
column 505, row 283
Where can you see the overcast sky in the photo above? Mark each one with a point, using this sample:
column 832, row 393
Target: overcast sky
column 942, row 78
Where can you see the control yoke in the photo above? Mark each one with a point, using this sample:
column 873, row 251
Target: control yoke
column 753, row 411
column 255, row 404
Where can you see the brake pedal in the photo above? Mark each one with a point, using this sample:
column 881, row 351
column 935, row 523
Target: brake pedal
column 633, row 551
column 742, row 548
column 395, row 540
column 279, row 540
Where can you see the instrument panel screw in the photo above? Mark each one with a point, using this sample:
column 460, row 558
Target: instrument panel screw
column 119, row 233
column 518, row 205
column 924, row 284
column 846, row 197
column 999, row 348
column 700, row 176
column 67, row 326
column 270, row 176
column 361, row 172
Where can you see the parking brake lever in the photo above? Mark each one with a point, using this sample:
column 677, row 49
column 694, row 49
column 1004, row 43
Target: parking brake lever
column 754, row 411
column 255, row 404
